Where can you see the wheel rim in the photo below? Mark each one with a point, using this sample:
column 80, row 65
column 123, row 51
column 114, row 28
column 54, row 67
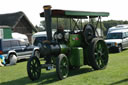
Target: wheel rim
column 64, row 67
column 119, row 49
column 37, row 54
column 101, row 54
column 12, row 59
column 34, row 69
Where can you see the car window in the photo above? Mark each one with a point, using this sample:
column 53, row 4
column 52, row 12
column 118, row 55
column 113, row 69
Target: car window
column 39, row 39
column 15, row 43
column 126, row 34
column 114, row 36
column 23, row 43
column 6, row 44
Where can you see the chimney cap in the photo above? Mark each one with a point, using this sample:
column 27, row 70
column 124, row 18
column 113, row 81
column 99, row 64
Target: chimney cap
column 47, row 7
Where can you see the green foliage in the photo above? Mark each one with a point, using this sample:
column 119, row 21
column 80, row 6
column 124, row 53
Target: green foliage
column 111, row 23
column 100, row 25
column 66, row 23
column 71, row 23
column 58, row 22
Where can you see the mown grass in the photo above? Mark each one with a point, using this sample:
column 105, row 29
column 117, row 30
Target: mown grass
column 116, row 73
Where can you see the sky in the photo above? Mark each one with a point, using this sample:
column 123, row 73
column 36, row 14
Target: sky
column 32, row 8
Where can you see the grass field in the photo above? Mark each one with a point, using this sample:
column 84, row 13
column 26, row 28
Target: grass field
column 116, row 73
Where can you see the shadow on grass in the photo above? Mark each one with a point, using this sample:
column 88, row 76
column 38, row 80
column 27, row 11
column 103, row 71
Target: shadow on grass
column 45, row 78
column 119, row 82
column 52, row 77
column 80, row 71
column 21, row 81
column 115, row 52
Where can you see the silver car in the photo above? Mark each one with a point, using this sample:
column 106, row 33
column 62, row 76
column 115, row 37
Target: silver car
column 117, row 40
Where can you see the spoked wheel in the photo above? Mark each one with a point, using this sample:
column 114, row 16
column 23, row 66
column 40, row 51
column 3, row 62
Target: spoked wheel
column 33, row 68
column 62, row 66
column 98, row 54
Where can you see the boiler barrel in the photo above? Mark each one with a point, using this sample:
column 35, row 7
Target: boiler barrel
column 53, row 49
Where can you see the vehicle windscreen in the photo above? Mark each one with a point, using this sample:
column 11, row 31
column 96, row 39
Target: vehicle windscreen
column 39, row 39
column 114, row 36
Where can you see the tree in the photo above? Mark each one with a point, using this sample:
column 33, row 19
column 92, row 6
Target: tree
column 68, row 23
column 65, row 22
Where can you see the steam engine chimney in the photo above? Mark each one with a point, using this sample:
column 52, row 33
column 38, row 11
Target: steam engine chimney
column 47, row 15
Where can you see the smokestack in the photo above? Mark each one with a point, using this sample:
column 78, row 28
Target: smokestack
column 47, row 15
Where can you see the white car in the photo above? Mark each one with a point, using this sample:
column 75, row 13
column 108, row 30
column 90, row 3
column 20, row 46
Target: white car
column 117, row 40
column 19, row 36
column 118, row 27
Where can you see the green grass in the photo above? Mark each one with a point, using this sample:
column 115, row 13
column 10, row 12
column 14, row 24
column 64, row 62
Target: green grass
column 116, row 73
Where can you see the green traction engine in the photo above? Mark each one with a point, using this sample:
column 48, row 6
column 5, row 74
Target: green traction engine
column 70, row 49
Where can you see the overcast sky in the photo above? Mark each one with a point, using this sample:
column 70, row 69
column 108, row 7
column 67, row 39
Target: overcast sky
column 118, row 8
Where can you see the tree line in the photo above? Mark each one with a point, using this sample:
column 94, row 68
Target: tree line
column 71, row 24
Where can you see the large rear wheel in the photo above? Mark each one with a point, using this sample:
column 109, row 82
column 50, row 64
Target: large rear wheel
column 62, row 66
column 34, row 68
column 98, row 54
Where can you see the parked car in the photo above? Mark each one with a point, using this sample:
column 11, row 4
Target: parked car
column 118, row 27
column 15, row 47
column 38, row 37
column 117, row 40
column 19, row 36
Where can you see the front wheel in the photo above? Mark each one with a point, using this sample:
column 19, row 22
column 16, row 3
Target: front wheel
column 12, row 59
column 119, row 49
column 34, row 68
column 62, row 66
